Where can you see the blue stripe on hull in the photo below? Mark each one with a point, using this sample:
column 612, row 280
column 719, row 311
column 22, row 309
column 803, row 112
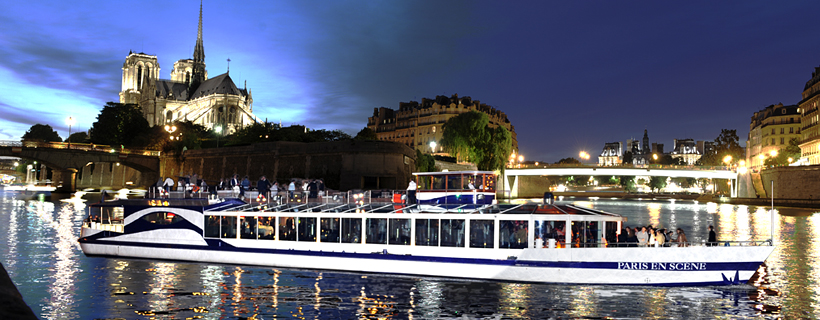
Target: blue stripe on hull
column 465, row 198
column 219, row 245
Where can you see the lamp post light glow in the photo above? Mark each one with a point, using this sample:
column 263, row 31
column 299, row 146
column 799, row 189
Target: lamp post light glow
column 218, row 130
column 773, row 153
column 433, row 146
column 727, row 159
column 171, row 129
column 70, row 122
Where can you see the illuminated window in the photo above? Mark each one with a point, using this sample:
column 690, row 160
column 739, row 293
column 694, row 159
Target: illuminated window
column 162, row 218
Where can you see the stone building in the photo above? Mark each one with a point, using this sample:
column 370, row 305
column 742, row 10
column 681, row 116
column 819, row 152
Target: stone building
column 612, row 155
column 189, row 95
column 686, row 150
column 810, row 132
column 770, row 130
column 417, row 124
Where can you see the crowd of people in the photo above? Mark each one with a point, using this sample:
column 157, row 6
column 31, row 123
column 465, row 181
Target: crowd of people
column 650, row 236
column 193, row 183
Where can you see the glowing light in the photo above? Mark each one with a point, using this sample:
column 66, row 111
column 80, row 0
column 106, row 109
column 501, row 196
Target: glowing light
column 727, row 159
column 433, row 146
column 773, row 153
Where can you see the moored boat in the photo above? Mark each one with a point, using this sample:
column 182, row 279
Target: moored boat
column 531, row 242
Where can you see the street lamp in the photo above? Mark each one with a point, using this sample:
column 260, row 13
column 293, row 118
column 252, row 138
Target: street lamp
column 70, row 122
column 218, row 130
column 433, row 146
column 171, row 129
column 727, row 159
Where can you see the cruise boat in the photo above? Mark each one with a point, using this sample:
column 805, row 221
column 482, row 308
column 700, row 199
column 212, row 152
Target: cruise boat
column 533, row 242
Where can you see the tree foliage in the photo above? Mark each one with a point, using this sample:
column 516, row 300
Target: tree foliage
column 791, row 151
column 725, row 144
column 77, row 137
column 425, row 162
column 266, row 132
column 628, row 183
column 42, row 132
column 119, row 124
column 657, row 183
column 569, row 160
column 366, row 134
column 468, row 136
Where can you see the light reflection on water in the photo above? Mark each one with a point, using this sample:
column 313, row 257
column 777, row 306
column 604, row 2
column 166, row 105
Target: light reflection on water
column 59, row 282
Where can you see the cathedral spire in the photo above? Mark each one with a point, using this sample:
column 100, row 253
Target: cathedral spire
column 198, row 74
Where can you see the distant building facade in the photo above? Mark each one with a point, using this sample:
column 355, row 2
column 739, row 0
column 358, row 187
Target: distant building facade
column 612, row 155
column 189, row 95
column 686, row 150
column 417, row 124
column 808, row 108
column 771, row 129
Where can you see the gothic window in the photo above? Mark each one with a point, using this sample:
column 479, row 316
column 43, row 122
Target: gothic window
column 139, row 76
column 169, row 116
column 232, row 115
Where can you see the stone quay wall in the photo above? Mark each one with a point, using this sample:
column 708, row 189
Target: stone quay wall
column 343, row 165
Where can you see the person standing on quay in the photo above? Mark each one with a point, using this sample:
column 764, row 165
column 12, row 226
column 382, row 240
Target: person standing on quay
column 411, row 192
column 712, row 237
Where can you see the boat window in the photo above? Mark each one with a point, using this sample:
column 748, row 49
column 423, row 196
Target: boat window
column 478, row 181
column 546, row 230
column 376, row 231
column 351, row 230
column 247, row 227
column 287, row 229
column 307, row 229
column 452, row 232
column 438, row 182
column 454, row 182
column 329, row 229
column 265, row 226
column 228, row 227
column 489, row 183
column 512, row 234
column 611, row 232
column 585, row 233
column 423, row 183
column 481, row 233
column 427, row 232
column 161, row 218
column 399, row 232
column 212, row 226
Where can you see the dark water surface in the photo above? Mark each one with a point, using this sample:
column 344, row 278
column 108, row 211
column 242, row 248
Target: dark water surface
column 44, row 260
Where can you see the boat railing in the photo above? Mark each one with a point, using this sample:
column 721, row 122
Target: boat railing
column 748, row 243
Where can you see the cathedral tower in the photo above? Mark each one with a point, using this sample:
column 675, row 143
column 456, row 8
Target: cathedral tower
column 135, row 70
column 198, row 75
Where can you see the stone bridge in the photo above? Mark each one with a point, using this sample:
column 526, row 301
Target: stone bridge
column 65, row 162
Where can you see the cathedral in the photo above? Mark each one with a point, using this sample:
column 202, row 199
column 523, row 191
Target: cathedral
column 189, row 95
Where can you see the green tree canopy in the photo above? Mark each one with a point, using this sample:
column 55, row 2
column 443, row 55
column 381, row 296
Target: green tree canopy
column 468, row 136
column 628, row 183
column 119, row 124
column 726, row 144
column 569, row 160
column 657, row 183
column 424, row 162
column 42, row 132
column 266, row 131
column 366, row 134
column 77, row 137
column 791, row 151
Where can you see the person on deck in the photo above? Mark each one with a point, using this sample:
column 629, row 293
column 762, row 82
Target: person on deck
column 291, row 188
column 681, row 239
column 411, row 192
column 235, row 185
column 262, row 186
column 168, row 184
column 642, row 236
column 246, row 185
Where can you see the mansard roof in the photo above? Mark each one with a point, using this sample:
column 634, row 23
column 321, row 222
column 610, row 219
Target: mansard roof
column 221, row 84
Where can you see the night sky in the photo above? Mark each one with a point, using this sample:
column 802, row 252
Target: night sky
column 570, row 75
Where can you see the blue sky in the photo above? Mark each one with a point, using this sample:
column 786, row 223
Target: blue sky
column 570, row 75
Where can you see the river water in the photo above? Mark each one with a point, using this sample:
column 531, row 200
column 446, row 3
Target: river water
column 43, row 258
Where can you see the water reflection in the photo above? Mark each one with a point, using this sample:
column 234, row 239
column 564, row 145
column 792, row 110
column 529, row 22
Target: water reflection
column 59, row 282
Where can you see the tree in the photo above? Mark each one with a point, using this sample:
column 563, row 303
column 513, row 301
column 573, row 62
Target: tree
column 791, row 151
column 726, row 144
column 77, row 137
column 424, row 162
column 468, row 136
column 628, row 183
column 366, row 134
column 569, row 160
column 657, row 183
column 42, row 132
column 119, row 124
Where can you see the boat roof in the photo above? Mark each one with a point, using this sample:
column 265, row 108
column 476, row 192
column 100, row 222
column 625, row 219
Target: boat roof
column 438, row 173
